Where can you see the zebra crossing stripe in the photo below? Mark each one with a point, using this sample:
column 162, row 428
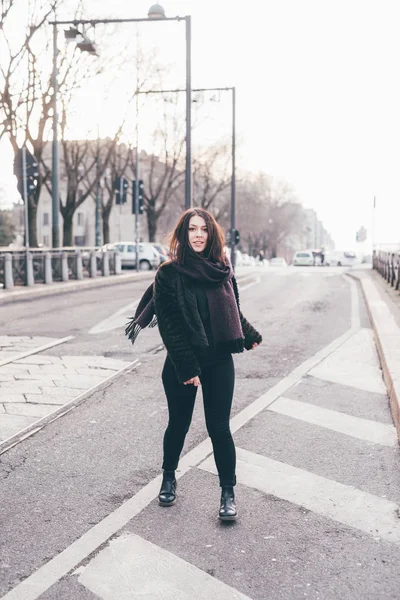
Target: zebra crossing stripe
column 343, row 503
column 132, row 567
column 362, row 429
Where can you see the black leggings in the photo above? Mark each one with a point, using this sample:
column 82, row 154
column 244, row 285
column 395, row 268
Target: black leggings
column 217, row 381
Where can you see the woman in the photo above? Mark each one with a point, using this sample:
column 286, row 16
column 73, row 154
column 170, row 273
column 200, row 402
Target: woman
column 196, row 303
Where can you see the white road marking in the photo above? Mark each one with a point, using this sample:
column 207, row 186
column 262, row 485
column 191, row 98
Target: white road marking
column 116, row 320
column 61, row 564
column 345, row 504
column 363, row 429
column 131, row 567
column 355, row 364
column 249, row 285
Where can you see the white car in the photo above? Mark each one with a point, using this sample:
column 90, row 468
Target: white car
column 149, row 258
column 303, row 258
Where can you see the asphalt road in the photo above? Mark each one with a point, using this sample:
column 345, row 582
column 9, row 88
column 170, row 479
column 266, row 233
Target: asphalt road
column 318, row 481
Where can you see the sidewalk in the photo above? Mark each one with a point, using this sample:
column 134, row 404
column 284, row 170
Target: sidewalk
column 383, row 304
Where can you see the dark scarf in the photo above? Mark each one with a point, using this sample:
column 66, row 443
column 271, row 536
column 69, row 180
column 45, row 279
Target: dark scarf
column 218, row 286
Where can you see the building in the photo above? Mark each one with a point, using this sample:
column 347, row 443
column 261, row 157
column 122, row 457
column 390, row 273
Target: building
column 316, row 236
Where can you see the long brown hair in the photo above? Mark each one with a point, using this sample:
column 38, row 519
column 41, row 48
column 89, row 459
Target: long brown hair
column 179, row 245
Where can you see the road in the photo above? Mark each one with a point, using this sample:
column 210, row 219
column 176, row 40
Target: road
column 318, row 462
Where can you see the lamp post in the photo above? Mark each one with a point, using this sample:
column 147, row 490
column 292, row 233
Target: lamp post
column 233, row 173
column 97, row 213
column 54, row 155
column 156, row 13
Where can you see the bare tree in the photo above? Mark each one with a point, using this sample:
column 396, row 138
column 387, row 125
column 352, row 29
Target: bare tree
column 5, row 7
column 268, row 214
column 212, row 177
column 7, row 228
column 118, row 166
column 26, row 87
column 25, row 98
column 163, row 173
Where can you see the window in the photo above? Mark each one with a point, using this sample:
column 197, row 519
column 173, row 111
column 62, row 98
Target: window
column 131, row 248
column 80, row 219
column 46, row 239
column 45, row 219
column 79, row 240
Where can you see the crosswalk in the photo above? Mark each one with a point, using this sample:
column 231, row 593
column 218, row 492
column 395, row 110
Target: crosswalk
column 153, row 572
column 324, row 403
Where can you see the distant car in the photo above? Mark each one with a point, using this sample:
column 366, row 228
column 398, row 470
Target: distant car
column 163, row 252
column 303, row 258
column 149, row 258
column 278, row 262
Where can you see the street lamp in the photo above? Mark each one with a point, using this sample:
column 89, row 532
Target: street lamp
column 233, row 175
column 156, row 13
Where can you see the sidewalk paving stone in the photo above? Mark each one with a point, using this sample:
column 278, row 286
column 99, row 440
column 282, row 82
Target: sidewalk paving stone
column 11, row 397
column 29, row 410
column 10, row 424
column 16, row 368
column 34, row 386
column 6, row 377
column 38, row 359
column 46, row 399
column 45, row 378
column 19, row 387
column 80, row 382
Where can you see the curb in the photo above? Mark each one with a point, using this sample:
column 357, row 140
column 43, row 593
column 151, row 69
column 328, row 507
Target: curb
column 387, row 338
column 54, row 289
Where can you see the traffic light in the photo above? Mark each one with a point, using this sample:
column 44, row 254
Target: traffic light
column 236, row 237
column 141, row 187
column 121, row 185
column 31, row 171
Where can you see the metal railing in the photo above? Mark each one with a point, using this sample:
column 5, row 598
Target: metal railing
column 37, row 265
column 388, row 265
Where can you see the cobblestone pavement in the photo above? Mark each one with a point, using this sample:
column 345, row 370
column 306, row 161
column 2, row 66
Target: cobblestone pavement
column 34, row 386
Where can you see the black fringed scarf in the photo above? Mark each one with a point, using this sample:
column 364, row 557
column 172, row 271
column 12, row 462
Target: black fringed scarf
column 218, row 286
column 144, row 315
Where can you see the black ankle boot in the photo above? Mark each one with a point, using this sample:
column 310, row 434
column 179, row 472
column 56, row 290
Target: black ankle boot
column 227, row 511
column 167, row 495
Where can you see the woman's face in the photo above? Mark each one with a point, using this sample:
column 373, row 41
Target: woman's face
column 198, row 233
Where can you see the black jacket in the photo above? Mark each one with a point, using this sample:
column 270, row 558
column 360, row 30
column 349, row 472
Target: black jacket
column 172, row 324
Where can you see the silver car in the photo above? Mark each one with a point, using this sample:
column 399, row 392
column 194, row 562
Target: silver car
column 149, row 258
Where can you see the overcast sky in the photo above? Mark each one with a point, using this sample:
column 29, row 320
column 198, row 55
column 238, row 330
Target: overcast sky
column 317, row 91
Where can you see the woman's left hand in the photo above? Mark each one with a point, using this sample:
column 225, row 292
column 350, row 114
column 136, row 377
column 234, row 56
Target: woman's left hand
column 254, row 345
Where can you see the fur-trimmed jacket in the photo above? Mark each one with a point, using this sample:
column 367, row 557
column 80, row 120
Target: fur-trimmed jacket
column 172, row 325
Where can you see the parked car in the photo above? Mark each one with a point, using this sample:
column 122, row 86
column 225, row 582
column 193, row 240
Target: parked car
column 163, row 252
column 278, row 262
column 149, row 258
column 303, row 258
